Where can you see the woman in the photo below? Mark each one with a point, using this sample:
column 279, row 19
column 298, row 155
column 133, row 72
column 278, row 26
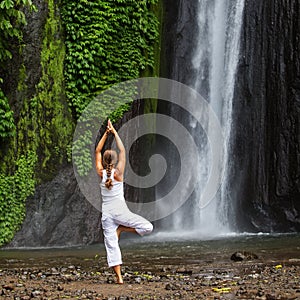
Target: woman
column 116, row 217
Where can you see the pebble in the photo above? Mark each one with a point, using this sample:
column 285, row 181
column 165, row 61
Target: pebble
column 35, row 294
column 294, row 260
column 138, row 279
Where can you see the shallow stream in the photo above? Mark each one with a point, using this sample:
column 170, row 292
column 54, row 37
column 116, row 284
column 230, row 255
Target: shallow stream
column 160, row 251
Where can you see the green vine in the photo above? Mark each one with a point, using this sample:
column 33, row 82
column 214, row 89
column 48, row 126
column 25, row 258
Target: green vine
column 107, row 42
column 11, row 21
column 7, row 125
column 45, row 123
column 12, row 18
column 14, row 191
column 17, row 175
column 44, row 127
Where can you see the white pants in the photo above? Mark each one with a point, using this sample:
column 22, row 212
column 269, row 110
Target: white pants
column 110, row 223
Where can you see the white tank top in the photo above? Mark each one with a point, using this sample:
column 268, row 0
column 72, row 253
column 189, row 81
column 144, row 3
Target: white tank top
column 109, row 197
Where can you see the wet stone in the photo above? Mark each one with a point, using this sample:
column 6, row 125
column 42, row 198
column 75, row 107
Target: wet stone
column 35, row 293
column 183, row 270
column 110, row 280
column 271, row 297
column 8, row 287
column 138, row 279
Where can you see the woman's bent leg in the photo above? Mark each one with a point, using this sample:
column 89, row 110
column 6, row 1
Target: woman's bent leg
column 133, row 223
column 122, row 228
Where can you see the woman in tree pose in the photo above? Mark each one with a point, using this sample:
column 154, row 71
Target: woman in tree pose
column 116, row 217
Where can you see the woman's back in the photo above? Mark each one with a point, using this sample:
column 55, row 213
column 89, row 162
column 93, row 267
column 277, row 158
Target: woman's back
column 110, row 196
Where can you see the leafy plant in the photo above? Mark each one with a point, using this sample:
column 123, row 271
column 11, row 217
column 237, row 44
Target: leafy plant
column 106, row 42
column 12, row 18
column 44, row 127
column 7, row 125
column 14, row 190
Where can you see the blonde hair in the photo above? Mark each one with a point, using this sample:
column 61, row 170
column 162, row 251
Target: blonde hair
column 109, row 160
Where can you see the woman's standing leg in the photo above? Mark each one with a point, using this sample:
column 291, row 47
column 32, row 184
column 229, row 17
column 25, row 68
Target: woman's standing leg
column 117, row 270
column 111, row 242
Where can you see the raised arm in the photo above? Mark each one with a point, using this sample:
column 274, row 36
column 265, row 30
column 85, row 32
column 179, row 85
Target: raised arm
column 122, row 153
column 98, row 155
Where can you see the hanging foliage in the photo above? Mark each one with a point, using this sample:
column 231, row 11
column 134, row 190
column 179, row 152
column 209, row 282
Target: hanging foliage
column 7, row 125
column 107, row 42
column 14, row 190
column 12, row 18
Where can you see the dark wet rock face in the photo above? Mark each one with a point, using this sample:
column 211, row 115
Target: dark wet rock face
column 59, row 215
column 267, row 118
column 29, row 58
column 179, row 39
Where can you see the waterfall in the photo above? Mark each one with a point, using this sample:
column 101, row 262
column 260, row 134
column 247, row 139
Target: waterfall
column 214, row 63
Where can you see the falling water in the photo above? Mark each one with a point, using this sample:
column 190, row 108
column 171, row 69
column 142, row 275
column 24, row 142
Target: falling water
column 214, row 62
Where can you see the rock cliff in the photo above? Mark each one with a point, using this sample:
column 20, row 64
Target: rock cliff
column 267, row 118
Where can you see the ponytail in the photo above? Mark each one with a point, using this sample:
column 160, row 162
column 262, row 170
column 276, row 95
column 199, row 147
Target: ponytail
column 108, row 182
column 109, row 159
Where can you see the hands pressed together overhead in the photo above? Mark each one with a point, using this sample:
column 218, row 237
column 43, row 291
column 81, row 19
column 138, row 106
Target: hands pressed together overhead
column 110, row 128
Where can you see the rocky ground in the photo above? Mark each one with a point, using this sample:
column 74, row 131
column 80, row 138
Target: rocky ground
column 91, row 279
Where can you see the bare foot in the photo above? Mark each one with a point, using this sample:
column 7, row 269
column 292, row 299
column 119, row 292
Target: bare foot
column 120, row 280
column 117, row 270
